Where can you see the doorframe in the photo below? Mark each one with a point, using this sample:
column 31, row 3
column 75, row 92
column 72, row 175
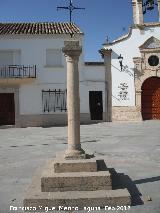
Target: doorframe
column 141, row 75
column 15, row 91
column 143, row 71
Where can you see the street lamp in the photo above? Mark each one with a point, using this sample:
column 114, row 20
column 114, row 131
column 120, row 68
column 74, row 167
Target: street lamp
column 120, row 58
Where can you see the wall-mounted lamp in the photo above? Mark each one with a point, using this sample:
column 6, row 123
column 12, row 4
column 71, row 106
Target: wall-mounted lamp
column 120, row 58
column 148, row 5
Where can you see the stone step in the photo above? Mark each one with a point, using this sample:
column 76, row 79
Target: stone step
column 61, row 165
column 38, row 201
column 84, row 181
column 73, row 199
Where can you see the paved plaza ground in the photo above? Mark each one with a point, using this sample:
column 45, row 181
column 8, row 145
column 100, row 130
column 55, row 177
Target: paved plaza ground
column 132, row 149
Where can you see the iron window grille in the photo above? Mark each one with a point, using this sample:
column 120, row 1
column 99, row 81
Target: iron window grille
column 54, row 100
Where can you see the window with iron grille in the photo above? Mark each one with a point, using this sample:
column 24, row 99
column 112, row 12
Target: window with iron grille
column 54, row 100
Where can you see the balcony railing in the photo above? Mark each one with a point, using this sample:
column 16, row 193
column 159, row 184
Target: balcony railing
column 18, row 71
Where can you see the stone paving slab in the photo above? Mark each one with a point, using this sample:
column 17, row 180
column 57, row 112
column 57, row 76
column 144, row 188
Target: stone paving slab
column 133, row 149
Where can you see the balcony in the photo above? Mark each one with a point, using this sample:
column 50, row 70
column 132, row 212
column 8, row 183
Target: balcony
column 17, row 73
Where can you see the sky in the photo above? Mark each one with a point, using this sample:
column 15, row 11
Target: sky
column 99, row 20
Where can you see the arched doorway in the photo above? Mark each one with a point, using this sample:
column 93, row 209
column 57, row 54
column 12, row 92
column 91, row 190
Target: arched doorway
column 151, row 99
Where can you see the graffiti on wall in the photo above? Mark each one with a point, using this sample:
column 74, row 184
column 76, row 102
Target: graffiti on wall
column 123, row 92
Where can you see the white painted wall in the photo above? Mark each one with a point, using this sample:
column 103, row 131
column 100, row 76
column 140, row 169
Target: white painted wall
column 32, row 51
column 31, row 95
column 93, row 81
column 94, row 73
column 128, row 49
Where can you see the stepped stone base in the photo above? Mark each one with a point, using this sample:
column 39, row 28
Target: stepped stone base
column 52, row 190
column 74, row 181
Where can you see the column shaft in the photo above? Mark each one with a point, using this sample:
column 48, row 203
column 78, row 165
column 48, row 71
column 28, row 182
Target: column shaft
column 72, row 51
column 73, row 104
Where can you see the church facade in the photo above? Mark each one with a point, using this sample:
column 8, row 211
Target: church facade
column 132, row 67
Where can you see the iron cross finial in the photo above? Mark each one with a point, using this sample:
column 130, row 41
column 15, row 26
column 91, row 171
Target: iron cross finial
column 71, row 7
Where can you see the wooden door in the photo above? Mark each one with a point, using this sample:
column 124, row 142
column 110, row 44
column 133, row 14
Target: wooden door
column 7, row 109
column 151, row 99
column 96, row 105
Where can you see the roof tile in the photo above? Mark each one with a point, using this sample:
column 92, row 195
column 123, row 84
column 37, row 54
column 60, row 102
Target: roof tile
column 40, row 28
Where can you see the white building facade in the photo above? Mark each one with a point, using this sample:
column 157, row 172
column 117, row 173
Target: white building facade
column 125, row 87
column 33, row 76
column 132, row 65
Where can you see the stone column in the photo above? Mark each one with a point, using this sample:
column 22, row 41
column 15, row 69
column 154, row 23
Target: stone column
column 106, row 54
column 158, row 10
column 72, row 51
column 137, row 11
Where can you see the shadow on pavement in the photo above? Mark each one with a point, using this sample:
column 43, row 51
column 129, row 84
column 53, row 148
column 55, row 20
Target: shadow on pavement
column 120, row 181
column 147, row 180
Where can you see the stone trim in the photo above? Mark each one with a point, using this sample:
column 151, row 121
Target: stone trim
column 151, row 40
column 127, row 113
column 120, row 39
column 149, row 24
column 143, row 70
column 128, row 35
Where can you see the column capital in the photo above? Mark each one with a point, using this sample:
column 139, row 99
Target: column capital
column 137, row 1
column 72, row 49
column 105, row 52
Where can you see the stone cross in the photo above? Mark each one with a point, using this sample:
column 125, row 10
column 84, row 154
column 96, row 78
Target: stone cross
column 72, row 51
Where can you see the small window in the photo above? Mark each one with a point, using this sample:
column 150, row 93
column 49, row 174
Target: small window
column 9, row 57
column 153, row 60
column 6, row 58
column 53, row 58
